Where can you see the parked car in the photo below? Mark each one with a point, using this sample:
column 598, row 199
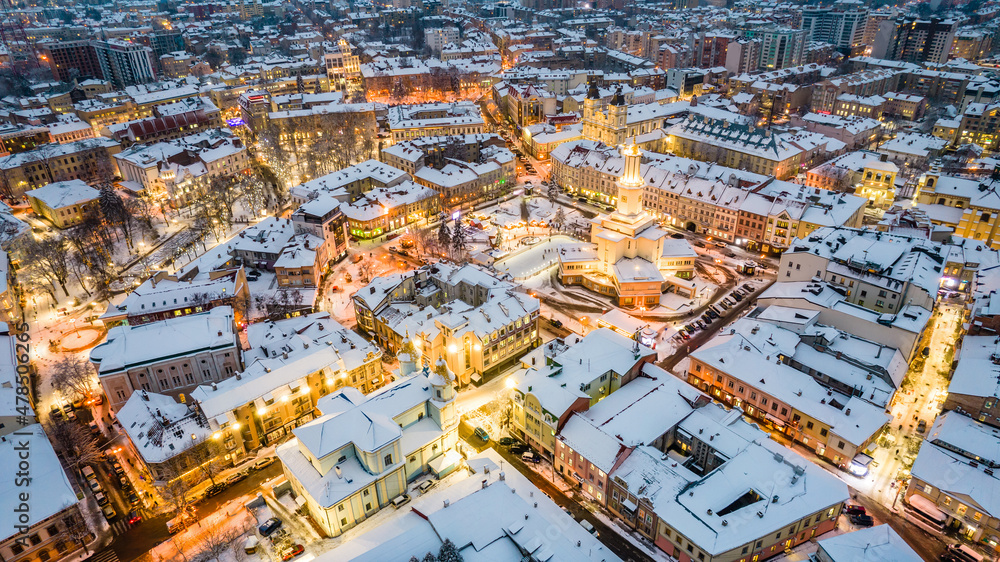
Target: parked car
column 270, row 526
column 518, row 448
column 95, row 486
column 926, row 351
column 426, row 485
column 263, row 462
column 862, row 520
column 234, row 478
column 922, row 426
column 531, row 456
column 481, row 433
column 88, row 473
column 101, row 498
column 292, row 552
column 587, row 526
column 400, row 501
column 506, row 441
column 109, row 511
column 133, row 499
column 749, row 287
column 855, row 510
column 556, row 323
column 214, row 490
column 677, row 235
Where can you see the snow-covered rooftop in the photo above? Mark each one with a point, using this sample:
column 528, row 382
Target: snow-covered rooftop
column 128, row 346
column 48, row 488
column 61, row 194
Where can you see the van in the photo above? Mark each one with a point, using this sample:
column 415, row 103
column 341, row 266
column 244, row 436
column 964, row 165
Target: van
column 250, row 546
column 964, row 553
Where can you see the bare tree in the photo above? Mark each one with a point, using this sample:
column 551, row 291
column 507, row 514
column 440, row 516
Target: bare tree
column 365, row 271
column 78, row 446
column 174, row 486
column 78, row 532
column 215, row 541
column 208, row 458
column 72, row 375
column 48, row 259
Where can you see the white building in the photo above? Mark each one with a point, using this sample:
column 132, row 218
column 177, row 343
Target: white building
column 875, row 544
column 876, row 270
column 493, row 514
column 360, row 455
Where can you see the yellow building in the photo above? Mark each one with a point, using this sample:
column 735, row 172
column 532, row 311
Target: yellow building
column 969, row 206
column 878, row 183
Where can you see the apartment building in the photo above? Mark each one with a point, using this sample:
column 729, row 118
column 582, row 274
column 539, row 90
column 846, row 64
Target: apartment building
column 760, row 368
column 864, row 84
column 88, row 160
column 384, row 209
column 916, row 40
column 290, row 365
column 408, row 122
column 465, row 184
column 190, row 291
column 876, row 270
column 842, row 24
column 180, row 171
column 740, row 206
column 952, row 481
column 571, row 376
column 476, row 322
column 967, row 205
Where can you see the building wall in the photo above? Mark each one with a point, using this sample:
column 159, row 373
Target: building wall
column 48, row 539
column 171, row 376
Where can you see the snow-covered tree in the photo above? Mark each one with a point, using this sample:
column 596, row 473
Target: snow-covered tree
column 459, row 242
column 444, row 236
column 448, row 552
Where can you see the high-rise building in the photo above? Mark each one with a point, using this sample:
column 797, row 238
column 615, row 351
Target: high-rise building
column 743, row 56
column 71, row 59
column 782, row 48
column 915, row 40
column 123, row 63
column 842, row 25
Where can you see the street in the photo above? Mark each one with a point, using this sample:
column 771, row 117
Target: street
column 143, row 536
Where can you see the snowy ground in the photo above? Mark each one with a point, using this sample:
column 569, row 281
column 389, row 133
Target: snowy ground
column 531, row 260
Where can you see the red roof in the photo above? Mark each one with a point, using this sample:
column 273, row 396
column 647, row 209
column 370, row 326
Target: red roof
column 160, row 125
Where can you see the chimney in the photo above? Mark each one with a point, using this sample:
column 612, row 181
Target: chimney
column 847, row 412
column 340, row 475
column 215, row 387
column 447, row 503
